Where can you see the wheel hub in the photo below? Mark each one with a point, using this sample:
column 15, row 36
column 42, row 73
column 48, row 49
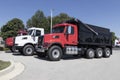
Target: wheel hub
column 107, row 52
column 91, row 53
column 55, row 53
column 28, row 50
column 100, row 53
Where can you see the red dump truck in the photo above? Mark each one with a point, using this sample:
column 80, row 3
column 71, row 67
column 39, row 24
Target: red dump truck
column 73, row 37
column 9, row 42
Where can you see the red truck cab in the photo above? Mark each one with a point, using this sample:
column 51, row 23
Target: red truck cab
column 61, row 35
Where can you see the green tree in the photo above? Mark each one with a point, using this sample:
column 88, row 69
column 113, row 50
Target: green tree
column 61, row 18
column 113, row 37
column 38, row 20
column 41, row 21
column 57, row 19
column 11, row 28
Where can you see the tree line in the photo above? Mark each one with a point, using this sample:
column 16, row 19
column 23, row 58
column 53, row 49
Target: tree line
column 38, row 20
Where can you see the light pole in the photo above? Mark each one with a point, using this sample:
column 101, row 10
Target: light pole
column 51, row 20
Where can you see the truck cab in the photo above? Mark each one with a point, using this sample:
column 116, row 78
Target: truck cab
column 63, row 36
column 25, row 44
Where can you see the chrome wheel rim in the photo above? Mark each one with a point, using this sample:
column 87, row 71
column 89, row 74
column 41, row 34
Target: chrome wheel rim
column 100, row 53
column 29, row 50
column 55, row 53
column 91, row 54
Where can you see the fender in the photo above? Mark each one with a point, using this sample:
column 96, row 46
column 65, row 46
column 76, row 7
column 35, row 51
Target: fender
column 56, row 43
column 29, row 44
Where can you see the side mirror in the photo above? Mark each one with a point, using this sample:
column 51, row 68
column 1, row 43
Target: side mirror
column 33, row 35
column 68, row 31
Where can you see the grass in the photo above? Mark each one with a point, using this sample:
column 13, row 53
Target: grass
column 6, row 49
column 4, row 64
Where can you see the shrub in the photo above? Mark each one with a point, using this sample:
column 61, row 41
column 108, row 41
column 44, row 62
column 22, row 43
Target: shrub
column 1, row 48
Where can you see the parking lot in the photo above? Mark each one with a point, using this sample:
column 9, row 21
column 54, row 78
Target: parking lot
column 69, row 68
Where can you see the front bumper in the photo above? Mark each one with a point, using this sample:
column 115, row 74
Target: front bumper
column 41, row 49
column 18, row 47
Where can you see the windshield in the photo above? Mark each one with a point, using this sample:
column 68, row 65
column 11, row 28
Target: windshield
column 59, row 29
column 30, row 32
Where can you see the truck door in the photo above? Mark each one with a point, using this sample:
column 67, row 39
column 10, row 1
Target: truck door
column 71, row 36
column 37, row 34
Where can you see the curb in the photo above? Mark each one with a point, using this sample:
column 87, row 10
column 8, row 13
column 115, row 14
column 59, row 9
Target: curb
column 12, row 71
column 8, row 69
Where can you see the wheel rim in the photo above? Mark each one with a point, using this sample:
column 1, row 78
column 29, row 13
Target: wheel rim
column 91, row 53
column 55, row 53
column 29, row 50
column 100, row 53
column 107, row 52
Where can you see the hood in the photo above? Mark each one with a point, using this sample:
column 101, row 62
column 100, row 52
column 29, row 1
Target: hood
column 23, row 36
column 52, row 37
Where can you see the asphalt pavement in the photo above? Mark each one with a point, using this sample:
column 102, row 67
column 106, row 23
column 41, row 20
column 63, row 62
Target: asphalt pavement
column 68, row 68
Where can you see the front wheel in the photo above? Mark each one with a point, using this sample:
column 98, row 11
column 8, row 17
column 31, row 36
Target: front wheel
column 28, row 50
column 55, row 53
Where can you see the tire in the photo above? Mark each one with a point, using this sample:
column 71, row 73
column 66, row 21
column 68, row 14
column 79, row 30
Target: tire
column 107, row 52
column 90, row 53
column 99, row 53
column 55, row 53
column 28, row 50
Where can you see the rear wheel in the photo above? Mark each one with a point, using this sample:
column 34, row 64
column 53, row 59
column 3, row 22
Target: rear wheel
column 28, row 50
column 55, row 53
column 107, row 52
column 99, row 53
column 90, row 53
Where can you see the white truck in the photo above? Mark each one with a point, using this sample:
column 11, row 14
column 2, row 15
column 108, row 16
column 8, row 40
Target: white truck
column 117, row 42
column 25, row 44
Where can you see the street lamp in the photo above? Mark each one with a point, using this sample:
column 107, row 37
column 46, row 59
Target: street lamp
column 51, row 19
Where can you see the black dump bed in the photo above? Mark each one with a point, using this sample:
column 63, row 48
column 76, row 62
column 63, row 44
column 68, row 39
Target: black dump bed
column 92, row 35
